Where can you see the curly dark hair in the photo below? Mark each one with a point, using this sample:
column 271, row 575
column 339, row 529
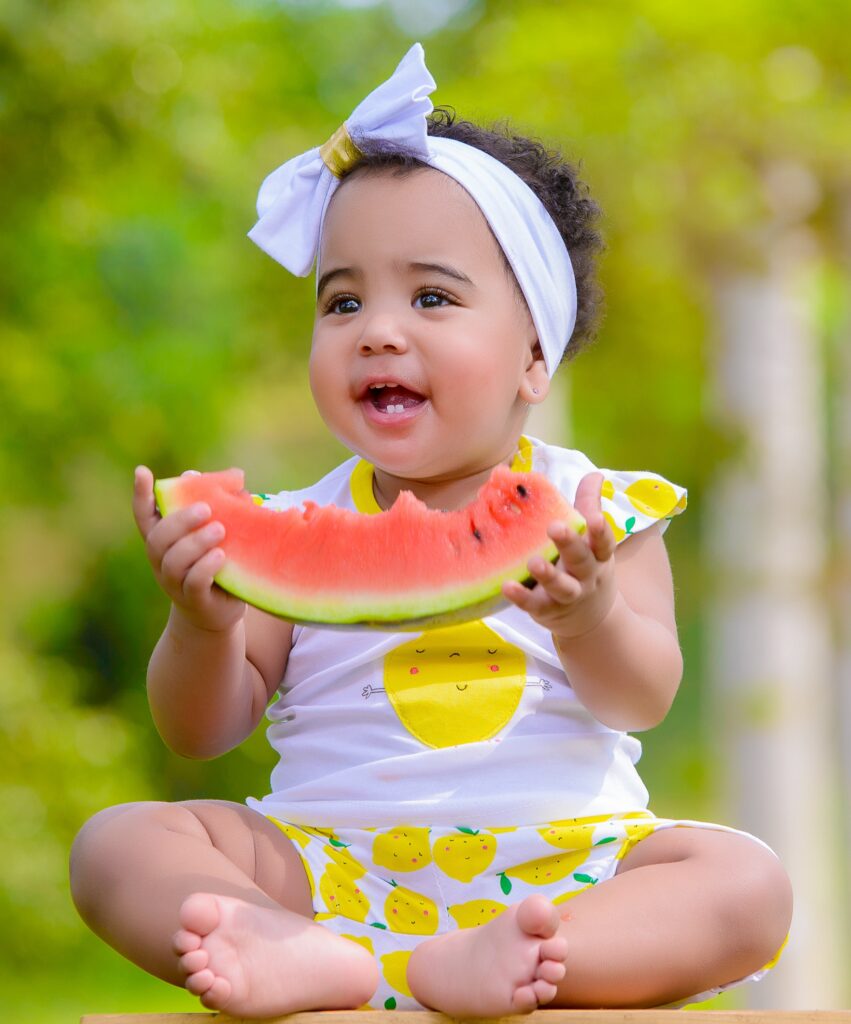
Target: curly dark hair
column 553, row 179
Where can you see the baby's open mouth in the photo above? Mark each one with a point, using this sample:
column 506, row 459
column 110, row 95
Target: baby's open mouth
column 393, row 398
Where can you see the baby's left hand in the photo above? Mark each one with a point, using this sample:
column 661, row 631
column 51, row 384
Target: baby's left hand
column 574, row 595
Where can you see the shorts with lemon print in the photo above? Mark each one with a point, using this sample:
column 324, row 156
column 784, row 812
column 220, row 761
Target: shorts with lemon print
column 388, row 889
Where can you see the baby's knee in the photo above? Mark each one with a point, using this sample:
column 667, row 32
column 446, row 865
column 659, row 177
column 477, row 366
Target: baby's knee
column 99, row 852
column 760, row 910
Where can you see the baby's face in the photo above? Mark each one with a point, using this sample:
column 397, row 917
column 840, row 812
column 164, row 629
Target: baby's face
column 414, row 295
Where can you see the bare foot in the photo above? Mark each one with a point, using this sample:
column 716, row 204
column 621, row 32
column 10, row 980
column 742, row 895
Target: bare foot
column 260, row 962
column 509, row 965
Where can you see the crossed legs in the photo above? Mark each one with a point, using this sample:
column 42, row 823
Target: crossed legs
column 212, row 896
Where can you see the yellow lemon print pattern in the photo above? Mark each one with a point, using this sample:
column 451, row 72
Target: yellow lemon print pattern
column 459, row 684
column 635, row 501
column 403, row 848
column 395, row 967
column 476, row 912
column 544, row 870
column 654, row 498
column 410, row 912
column 361, row 940
column 466, row 854
column 339, row 889
column 469, row 878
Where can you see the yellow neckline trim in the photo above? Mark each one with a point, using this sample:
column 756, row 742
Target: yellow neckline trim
column 361, row 479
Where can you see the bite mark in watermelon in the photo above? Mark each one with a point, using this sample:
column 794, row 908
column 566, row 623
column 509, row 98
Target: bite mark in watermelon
column 410, row 567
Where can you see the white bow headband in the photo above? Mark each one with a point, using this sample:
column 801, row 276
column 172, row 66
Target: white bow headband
column 293, row 199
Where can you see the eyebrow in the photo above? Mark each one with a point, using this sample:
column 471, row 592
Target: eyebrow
column 442, row 268
column 329, row 276
column 434, row 268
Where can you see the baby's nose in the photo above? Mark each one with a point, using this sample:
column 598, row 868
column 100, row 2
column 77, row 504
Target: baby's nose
column 382, row 333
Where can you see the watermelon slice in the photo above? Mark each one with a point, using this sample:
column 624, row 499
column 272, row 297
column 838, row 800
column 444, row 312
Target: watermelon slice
column 408, row 568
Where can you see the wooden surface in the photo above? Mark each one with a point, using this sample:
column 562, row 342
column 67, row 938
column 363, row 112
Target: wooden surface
column 538, row 1017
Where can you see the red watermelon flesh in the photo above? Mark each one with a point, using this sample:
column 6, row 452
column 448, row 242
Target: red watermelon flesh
column 407, row 568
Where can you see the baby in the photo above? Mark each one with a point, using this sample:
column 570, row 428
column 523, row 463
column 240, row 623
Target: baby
column 456, row 821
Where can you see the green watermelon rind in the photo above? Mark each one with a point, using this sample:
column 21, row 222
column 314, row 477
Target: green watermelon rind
column 401, row 611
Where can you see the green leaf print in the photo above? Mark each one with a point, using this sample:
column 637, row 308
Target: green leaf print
column 608, row 839
column 377, row 924
column 468, row 831
column 628, row 525
column 338, row 844
column 587, row 879
column 390, row 1003
column 504, row 883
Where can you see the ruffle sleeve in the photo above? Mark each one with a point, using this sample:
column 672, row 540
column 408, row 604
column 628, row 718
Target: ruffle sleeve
column 634, row 501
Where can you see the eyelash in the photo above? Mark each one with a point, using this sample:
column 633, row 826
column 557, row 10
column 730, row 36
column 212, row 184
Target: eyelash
column 334, row 300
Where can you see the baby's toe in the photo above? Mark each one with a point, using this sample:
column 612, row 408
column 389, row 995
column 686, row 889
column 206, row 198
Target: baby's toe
column 217, row 994
column 525, row 1000
column 194, row 961
column 554, row 948
column 537, row 916
column 544, row 991
column 185, row 941
column 551, row 970
column 199, row 982
column 200, row 913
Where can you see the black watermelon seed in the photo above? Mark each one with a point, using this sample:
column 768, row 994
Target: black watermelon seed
column 521, row 490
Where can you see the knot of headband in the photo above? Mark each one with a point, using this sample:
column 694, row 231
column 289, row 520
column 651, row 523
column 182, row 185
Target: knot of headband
column 294, row 198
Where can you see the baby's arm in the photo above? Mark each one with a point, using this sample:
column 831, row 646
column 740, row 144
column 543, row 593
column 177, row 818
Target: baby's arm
column 215, row 667
column 611, row 613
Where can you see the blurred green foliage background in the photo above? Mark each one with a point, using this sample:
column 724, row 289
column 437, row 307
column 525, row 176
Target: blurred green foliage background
column 140, row 325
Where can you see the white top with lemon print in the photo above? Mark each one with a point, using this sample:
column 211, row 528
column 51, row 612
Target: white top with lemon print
column 474, row 723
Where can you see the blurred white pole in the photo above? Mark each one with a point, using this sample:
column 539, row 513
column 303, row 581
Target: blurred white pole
column 770, row 644
column 843, row 560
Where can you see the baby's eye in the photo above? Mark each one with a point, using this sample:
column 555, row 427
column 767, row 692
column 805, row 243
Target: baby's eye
column 431, row 298
column 342, row 304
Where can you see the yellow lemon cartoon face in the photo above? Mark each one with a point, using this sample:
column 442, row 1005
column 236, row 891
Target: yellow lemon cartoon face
column 403, row 848
column 476, row 912
column 339, row 888
column 410, row 912
column 455, row 685
column 544, row 870
column 465, row 855
column 569, row 835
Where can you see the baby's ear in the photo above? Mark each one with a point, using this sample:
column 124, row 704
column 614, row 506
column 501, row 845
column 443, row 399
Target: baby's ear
column 535, row 384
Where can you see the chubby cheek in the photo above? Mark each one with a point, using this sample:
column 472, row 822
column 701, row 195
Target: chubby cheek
column 326, row 383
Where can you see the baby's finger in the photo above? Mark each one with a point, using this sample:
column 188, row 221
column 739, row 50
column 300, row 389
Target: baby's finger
column 519, row 595
column 588, row 493
column 574, row 550
column 185, row 552
column 173, row 528
column 601, row 539
column 560, row 586
column 144, row 505
column 199, row 578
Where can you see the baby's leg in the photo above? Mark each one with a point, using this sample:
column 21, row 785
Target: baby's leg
column 211, row 895
column 689, row 909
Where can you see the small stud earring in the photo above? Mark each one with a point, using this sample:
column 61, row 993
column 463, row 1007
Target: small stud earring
column 535, row 391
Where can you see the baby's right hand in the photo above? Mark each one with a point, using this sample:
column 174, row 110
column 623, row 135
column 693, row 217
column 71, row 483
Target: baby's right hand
column 182, row 549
